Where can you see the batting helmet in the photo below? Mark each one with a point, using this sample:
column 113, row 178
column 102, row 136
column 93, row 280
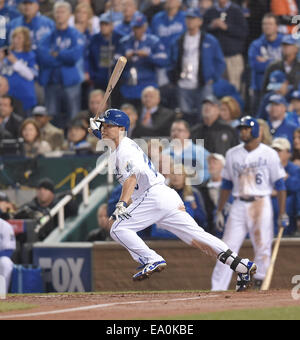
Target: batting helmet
column 115, row 117
column 251, row 123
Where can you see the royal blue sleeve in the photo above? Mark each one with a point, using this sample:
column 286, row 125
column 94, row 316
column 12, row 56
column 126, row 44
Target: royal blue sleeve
column 280, row 185
column 227, row 185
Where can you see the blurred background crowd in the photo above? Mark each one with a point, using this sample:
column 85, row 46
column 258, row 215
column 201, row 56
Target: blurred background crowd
column 195, row 67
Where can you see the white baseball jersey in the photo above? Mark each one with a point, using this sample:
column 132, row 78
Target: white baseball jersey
column 7, row 236
column 253, row 173
column 129, row 159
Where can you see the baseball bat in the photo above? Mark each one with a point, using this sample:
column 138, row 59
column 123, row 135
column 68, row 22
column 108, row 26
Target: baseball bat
column 267, row 281
column 112, row 83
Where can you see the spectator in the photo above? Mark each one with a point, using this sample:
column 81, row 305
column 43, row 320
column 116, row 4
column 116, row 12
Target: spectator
column 8, row 12
column 230, row 111
column 8, row 119
column 218, row 136
column 4, row 134
column 184, row 151
column 130, row 8
column 205, row 5
column 39, row 25
column 285, row 10
column 77, row 137
column 49, row 133
column 4, row 91
column 192, row 199
column 262, row 52
column 280, row 126
column 294, row 116
column 278, row 85
column 292, row 183
column 151, row 8
column 101, row 52
column 7, row 208
column 102, row 232
column 296, row 148
column 144, row 53
column 7, row 248
column 289, row 63
column 227, row 23
column 155, row 120
column 95, row 100
column 264, row 132
column 45, row 200
column 46, row 8
column 84, row 19
column 132, row 113
column 115, row 9
column 59, row 54
column 211, row 190
column 198, row 63
column 33, row 144
column 20, row 68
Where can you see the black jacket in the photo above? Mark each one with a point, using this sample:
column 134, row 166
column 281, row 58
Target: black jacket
column 13, row 125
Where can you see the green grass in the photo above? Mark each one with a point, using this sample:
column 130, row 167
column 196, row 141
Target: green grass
column 14, row 306
column 277, row 313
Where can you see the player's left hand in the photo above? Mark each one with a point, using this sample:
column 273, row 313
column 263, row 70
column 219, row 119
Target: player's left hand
column 95, row 128
column 121, row 212
column 283, row 221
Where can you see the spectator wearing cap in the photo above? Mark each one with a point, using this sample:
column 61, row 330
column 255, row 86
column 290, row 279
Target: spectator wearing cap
column 9, row 121
column 39, row 25
column 145, row 53
column 292, row 182
column 218, row 136
column 280, row 126
column 278, row 85
column 20, row 68
column 289, row 63
column 198, row 62
column 60, row 54
column 102, row 49
column 263, row 51
column 294, row 115
column 227, row 23
column 33, row 144
column 285, row 10
column 49, row 133
column 45, row 200
column 130, row 9
column 77, row 137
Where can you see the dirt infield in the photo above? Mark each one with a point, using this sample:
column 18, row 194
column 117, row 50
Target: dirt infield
column 132, row 306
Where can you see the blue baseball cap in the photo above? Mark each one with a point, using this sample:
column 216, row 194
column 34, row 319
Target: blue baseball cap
column 277, row 78
column 138, row 20
column 115, row 117
column 278, row 99
column 193, row 13
column 35, row 1
column 106, row 18
column 295, row 95
column 289, row 40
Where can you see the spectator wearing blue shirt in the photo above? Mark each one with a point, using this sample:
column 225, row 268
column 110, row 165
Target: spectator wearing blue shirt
column 20, row 68
column 39, row 25
column 292, row 182
column 130, row 8
column 102, row 49
column 60, row 54
column 294, row 115
column 263, row 51
column 145, row 53
column 198, row 62
column 280, row 126
column 8, row 12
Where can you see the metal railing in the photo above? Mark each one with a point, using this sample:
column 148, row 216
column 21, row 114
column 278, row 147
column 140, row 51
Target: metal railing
column 83, row 187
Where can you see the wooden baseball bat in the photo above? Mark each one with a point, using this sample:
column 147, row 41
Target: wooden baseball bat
column 112, row 83
column 267, row 281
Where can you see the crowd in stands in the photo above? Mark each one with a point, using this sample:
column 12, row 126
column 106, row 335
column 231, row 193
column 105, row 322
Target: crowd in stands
column 195, row 67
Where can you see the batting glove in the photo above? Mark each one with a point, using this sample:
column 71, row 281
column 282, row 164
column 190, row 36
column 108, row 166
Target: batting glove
column 121, row 212
column 283, row 221
column 95, row 128
column 220, row 221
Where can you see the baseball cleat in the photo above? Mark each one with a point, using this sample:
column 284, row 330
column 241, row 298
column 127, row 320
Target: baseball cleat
column 149, row 269
column 244, row 281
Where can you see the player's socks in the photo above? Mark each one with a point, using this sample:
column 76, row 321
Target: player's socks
column 236, row 263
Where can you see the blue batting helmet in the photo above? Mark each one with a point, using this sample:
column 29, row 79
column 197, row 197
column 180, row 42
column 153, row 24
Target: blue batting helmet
column 115, row 117
column 251, row 123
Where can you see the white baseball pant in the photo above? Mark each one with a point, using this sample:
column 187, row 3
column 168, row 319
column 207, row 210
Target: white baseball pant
column 6, row 269
column 255, row 218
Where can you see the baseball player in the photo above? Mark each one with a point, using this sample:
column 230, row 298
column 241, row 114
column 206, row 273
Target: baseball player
column 146, row 200
column 7, row 247
column 251, row 172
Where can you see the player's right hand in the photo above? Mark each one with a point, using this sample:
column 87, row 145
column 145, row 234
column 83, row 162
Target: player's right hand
column 95, row 128
column 121, row 212
column 220, row 221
